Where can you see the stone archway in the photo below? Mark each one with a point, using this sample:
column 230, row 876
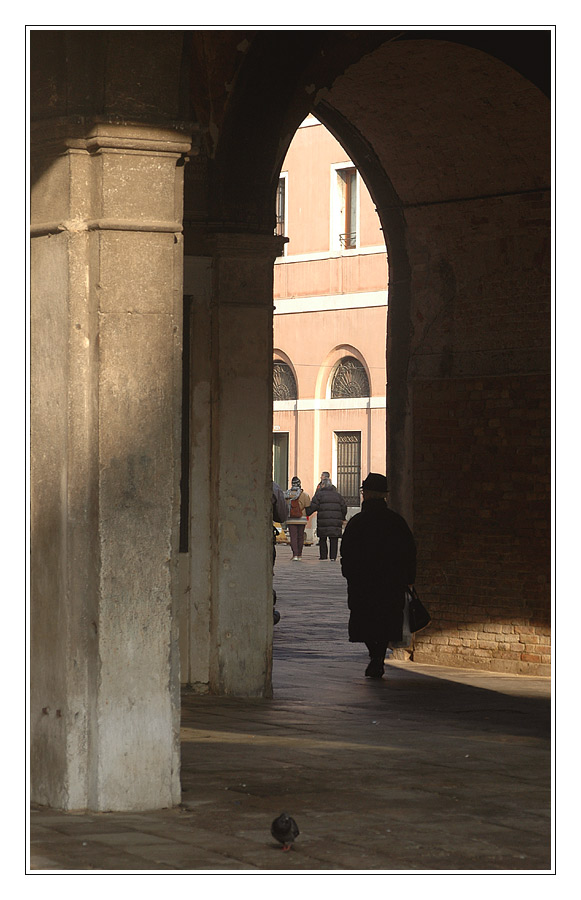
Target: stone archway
column 115, row 116
column 445, row 167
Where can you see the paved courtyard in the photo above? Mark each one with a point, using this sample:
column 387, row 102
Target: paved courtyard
column 430, row 770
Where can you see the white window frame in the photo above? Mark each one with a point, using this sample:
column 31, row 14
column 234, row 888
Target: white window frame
column 284, row 177
column 337, row 218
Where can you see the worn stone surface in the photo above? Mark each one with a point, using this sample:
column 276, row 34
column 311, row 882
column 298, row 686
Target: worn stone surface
column 241, row 466
column 107, row 268
column 431, row 769
column 226, row 583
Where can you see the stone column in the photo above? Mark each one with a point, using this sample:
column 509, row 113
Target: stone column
column 231, row 572
column 105, row 381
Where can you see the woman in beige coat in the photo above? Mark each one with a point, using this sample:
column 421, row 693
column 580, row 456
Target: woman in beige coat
column 297, row 519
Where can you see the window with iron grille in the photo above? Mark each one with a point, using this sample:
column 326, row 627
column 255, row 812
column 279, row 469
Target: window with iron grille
column 349, row 465
column 349, row 379
column 347, row 183
column 284, row 386
column 280, row 230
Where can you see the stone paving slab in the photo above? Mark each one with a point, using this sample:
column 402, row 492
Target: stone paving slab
column 428, row 770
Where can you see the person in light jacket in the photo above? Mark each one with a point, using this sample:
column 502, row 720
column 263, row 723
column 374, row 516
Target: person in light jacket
column 378, row 559
column 331, row 510
column 297, row 518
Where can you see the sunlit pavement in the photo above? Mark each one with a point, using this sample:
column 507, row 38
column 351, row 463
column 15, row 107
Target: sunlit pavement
column 427, row 770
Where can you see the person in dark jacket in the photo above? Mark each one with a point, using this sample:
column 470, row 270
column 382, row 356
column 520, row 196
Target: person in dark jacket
column 378, row 559
column 279, row 514
column 323, row 475
column 331, row 510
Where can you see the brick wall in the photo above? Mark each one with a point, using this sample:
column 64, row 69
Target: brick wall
column 482, row 521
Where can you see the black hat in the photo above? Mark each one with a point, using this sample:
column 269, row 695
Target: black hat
column 375, row 482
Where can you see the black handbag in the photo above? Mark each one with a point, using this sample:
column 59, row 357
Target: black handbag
column 418, row 615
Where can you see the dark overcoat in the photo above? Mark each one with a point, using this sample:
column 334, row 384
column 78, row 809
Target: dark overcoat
column 378, row 559
column 331, row 511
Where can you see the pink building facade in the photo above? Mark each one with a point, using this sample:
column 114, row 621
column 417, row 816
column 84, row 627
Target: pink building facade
column 330, row 320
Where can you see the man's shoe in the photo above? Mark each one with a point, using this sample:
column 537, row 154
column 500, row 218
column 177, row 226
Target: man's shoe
column 375, row 669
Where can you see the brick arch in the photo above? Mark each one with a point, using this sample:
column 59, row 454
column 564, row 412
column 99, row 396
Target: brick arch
column 262, row 84
column 413, row 144
column 423, row 158
column 464, row 138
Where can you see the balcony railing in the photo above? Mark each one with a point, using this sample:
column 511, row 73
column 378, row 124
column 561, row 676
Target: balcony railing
column 348, row 240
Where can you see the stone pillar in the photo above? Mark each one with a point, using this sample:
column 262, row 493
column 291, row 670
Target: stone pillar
column 106, row 299
column 230, row 650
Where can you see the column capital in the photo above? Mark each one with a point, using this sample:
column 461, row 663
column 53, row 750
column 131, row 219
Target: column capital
column 243, row 264
column 95, row 135
column 135, row 172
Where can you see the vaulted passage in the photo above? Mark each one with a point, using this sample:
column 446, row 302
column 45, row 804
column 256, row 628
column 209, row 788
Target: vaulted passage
column 155, row 162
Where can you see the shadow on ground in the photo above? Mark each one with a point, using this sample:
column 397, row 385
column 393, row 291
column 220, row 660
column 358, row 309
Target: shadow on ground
column 428, row 770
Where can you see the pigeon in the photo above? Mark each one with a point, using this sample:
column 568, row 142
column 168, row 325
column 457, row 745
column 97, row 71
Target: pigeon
column 285, row 829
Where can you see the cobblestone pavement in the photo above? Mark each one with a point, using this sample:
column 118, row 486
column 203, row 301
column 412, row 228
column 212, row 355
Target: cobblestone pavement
column 430, row 770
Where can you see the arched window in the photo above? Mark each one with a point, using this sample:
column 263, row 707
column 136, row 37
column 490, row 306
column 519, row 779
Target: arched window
column 349, row 379
column 284, row 386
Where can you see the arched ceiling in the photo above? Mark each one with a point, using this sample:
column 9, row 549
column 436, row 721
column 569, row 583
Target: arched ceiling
column 443, row 112
column 440, row 113
column 447, row 121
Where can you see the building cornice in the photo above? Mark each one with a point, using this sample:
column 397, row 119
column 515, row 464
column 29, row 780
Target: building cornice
column 310, row 404
column 330, row 254
column 362, row 300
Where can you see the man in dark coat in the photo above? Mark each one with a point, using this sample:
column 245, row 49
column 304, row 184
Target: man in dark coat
column 378, row 559
column 331, row 510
